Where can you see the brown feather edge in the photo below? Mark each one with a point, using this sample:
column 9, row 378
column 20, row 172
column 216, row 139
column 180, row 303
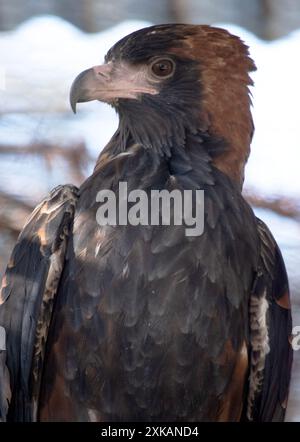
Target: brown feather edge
column 259, row 340
column 69, row 198
column 257, row 360
column 61, row 197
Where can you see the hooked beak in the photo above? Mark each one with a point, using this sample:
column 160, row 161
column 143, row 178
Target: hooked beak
column 108, row 83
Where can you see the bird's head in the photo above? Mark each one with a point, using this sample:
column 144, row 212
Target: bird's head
column 167, row 80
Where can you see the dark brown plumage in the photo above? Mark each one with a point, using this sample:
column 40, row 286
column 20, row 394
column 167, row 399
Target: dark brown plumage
column 142, row 322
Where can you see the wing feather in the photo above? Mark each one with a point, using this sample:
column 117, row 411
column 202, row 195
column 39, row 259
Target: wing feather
column 26, row 299
column 271, row 327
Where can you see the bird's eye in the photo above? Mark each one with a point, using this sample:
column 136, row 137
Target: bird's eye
column 163, row 68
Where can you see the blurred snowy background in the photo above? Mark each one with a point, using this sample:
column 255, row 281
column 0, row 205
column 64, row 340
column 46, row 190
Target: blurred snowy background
column 43, row 144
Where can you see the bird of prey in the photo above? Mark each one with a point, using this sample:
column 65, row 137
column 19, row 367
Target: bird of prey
column 143, row 322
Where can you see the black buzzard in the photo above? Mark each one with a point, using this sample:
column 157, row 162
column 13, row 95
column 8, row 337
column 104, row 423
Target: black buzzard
column 143, row 322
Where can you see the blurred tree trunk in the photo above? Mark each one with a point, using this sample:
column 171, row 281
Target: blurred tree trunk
column 88, row 16
column 267, row 17
column 177, row 10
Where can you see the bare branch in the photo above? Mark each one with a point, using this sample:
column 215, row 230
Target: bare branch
column 283, row 206
column 76, row 156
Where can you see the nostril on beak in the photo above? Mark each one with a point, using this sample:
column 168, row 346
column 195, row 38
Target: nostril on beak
column 102, row 71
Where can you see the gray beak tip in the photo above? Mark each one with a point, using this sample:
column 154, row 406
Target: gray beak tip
column 73, row 107
column 73, row 100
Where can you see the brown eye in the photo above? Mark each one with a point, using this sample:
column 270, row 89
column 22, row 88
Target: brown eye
column 163, row 68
